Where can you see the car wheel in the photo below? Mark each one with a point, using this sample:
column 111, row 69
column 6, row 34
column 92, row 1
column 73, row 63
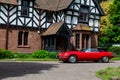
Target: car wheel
column 105, row 59
column 72, row 59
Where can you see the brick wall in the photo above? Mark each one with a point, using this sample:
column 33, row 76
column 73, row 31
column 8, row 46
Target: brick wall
column 34, row 41
column 2, row 38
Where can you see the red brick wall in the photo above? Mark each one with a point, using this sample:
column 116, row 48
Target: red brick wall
column 2, row 38
column 34, row 41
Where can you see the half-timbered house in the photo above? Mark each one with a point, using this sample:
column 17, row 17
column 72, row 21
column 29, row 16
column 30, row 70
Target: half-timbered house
column 29, row 25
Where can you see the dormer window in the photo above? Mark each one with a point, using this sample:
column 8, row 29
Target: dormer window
column 84, row 14
column 25, row 7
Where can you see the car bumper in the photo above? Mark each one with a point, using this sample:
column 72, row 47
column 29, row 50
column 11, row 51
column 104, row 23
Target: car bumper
column 62, row 58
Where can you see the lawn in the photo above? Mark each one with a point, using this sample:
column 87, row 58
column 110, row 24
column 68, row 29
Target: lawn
column 117, row 57
column 110, row 73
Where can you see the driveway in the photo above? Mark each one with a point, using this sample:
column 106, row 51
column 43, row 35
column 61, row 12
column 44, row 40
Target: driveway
column 51, row 70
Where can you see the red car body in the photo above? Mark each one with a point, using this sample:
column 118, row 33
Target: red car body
column 85, row 55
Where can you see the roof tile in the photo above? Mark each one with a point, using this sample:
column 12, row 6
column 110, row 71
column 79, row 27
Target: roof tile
column 53, row 29
column 13, row 2
column 53, row 5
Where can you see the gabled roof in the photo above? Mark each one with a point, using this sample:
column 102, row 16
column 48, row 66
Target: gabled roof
column 53, row 5
column 56, row 29
column 13, row 2
column 53, row 29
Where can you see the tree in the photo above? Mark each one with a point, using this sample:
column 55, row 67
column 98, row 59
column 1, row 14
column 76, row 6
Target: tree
column 114, row 12
column 110, row 30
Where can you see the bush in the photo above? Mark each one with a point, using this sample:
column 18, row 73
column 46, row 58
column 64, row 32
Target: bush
column 22, row 55
column 40, row 54
column 44, row 54
column 6, row 54
column 37, row 54
column 115, row 50
column 53, row 55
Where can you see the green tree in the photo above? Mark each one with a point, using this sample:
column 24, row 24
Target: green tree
column 104, row 22
column 114, row 12
column 110, row 30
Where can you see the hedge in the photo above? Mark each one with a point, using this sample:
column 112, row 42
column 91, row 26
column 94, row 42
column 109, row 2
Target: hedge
column 37, row 54
column 44, row 54
column 115, row 50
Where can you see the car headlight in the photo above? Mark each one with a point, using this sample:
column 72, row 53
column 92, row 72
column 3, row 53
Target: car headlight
column 65, row 54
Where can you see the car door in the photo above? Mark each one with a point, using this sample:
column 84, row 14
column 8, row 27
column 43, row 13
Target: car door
column 93, row 54
column 85, row 55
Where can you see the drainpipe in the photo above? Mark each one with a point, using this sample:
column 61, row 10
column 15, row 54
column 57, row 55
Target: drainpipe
column 7, row 28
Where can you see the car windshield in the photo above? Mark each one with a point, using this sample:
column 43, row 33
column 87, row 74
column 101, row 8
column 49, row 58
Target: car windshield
column 89, row 50
column 84, row 50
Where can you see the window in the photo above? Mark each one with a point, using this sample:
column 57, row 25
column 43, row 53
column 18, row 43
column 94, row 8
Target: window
column 83, row 17
column 85, row 40
column 49, row 17
column 77, row 41
column 23, row 38
column 25, row 8
column 20, row 38
column 84, row 14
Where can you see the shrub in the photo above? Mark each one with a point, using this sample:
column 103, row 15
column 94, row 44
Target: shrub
column 53, row 55
column 5, row 54
column 40, row 54
column 37, row 54
column 22, row 55
column 115, row 50
column 44, row 54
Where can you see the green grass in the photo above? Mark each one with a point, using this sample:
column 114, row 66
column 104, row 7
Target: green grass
column 109, row 72
column 117, row 57
column 29, row 59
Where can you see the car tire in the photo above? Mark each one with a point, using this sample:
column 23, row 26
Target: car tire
column 72, row 59
column 105, row 59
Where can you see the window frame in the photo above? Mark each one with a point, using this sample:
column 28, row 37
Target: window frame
column 25, row 8
column 84, row 14
column 20, row 34
column 83, row 17
column 23, row 38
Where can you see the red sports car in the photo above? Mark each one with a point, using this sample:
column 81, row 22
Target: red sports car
column 87, row 54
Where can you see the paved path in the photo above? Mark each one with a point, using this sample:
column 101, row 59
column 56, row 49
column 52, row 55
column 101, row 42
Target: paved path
column 51, row 70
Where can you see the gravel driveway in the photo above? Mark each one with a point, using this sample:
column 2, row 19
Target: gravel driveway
column 51, row 70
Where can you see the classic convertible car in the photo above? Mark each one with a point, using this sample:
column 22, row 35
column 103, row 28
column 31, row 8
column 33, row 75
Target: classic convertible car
column 87, row 54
